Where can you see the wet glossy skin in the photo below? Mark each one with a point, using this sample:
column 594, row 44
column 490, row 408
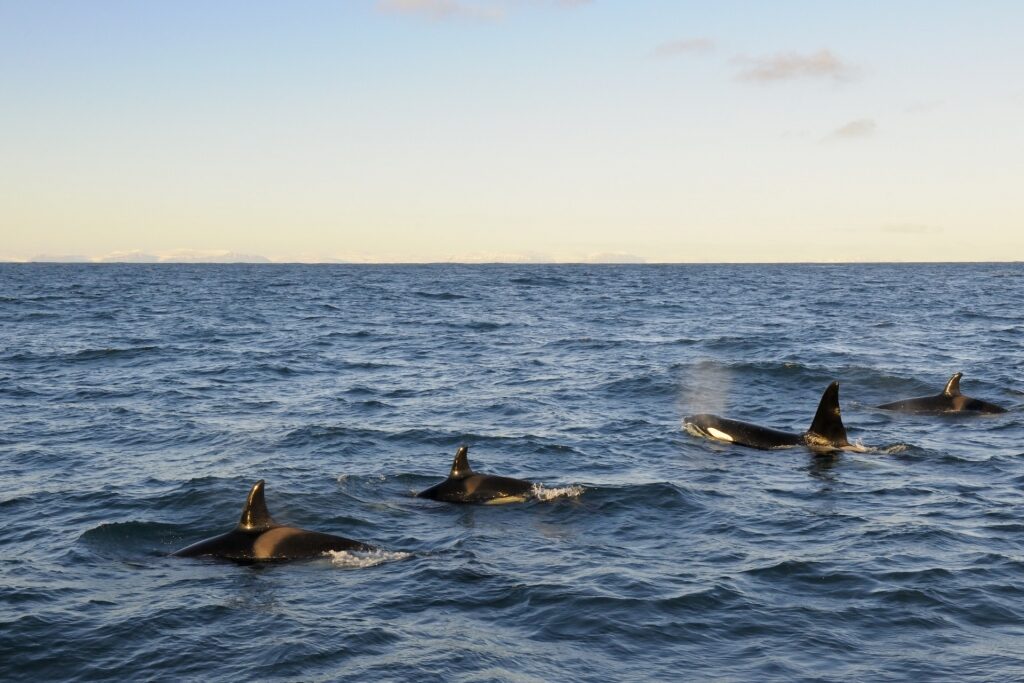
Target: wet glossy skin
column 943, row 404
column 949, row 401
column 463, row 485
column 258, row 538
column 826, row 433
column 742, row 433
column 479, row 488
column 278, row 543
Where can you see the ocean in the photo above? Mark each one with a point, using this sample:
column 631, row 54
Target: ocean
column 138, row 404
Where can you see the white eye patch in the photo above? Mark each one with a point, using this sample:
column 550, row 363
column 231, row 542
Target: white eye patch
column 719, row 434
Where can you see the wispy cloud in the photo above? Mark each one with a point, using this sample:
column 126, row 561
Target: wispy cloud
column 438, row 10
column 788, row 66
column 689, row 46
column 911, row 229
column 854, row 130
column 487, row 10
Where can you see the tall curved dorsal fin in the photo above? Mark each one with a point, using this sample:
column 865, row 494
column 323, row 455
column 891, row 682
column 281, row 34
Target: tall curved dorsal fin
column 460, row 466
column 953, row 385
column 828, row 422
column 255, row 515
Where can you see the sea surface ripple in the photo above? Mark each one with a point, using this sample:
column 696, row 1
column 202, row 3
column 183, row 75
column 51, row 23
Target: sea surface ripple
column 138, row 403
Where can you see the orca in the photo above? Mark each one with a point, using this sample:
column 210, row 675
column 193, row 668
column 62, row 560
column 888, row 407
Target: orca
column 827, row 432
column 463, row 485
column 949, row 401
column 258, row 538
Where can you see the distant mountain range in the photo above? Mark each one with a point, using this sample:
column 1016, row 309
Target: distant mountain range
column 180, row 256
column 226, row 256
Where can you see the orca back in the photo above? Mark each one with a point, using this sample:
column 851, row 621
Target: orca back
column 951, row 400
column 257, row 538
column 741, row 433
column 463, row 485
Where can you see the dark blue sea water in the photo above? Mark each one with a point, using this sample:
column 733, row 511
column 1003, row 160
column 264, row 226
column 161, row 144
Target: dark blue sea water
column 138, row 403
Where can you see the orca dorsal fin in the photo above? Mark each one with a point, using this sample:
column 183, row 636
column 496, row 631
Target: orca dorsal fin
column 953, row 386
column 460, row 466
column 255, row 515
column 828, row 422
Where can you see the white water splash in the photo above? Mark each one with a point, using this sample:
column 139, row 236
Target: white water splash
column 344, row 478
column 362, row 559
column 543, row 493
column 694, row 430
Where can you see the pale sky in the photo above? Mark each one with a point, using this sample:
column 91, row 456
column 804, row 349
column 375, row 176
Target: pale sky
column 513, row 130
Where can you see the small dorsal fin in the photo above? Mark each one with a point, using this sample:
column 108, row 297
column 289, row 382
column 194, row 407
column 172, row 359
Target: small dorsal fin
column 254, row 514
column 460, row 466
column 953, row 385
column 828, row 422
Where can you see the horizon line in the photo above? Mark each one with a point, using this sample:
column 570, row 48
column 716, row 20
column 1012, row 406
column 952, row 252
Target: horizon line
column 493, row 263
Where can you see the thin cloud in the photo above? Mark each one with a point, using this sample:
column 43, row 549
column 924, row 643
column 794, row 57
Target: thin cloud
column 690, row 46
column 487, row 10
column 438, row 10
column 854, row 130
column 789, row 66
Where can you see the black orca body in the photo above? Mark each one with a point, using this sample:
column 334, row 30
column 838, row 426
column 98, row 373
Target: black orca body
column 949, row 401
column 463, row 485
column 827, row 432
column 258, row 538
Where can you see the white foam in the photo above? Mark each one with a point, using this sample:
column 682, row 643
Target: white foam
column 343, row 478
column 357, row 559
column 541, row 492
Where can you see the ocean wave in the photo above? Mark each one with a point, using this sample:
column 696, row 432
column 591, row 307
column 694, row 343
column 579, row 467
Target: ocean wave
column 440, row 296
column 477, row 325
column 646, row 385
column 586, row 343
column 17, row 390
column 121, row 540
column 111, row 353
column 652, row 555
column 83, row 355
column 539, row 281
column 349, row 334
